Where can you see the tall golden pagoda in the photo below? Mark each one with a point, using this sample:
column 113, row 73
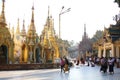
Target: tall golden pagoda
column 18, row 39
column 27, row 47
column 48, row 39
column 30, row 43
column 6, row 42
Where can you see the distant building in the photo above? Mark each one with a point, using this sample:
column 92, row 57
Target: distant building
column 109, row 44
column 85, row 45
column 48, row 41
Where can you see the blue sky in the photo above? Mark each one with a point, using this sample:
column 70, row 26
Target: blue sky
column 94, row 13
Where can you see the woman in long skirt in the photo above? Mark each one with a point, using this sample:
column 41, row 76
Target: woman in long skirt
column 111, row 65
column 66, row 65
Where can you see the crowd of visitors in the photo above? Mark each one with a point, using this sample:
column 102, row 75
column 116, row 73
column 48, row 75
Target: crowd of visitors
column 105, row 63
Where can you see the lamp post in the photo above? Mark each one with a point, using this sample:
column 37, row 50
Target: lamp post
column 62, row 12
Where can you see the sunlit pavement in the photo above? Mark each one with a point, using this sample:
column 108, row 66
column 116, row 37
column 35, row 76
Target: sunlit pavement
column 76, row 73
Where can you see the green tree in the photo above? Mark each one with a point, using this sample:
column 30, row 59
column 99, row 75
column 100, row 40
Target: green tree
column 97, row 36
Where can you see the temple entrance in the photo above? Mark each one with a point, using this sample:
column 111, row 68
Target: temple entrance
column 37, row 55
column 102, row 53
column 3, row 54
column 23, row 52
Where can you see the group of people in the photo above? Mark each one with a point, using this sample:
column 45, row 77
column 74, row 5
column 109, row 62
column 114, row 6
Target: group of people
column 82, row 61
column 107, row 63
column 104, row 62
column 64, row 63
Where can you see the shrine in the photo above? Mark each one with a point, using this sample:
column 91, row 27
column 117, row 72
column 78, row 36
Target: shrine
column 109, row 44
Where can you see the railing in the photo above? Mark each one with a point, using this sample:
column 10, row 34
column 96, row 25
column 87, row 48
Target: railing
column 28, row 66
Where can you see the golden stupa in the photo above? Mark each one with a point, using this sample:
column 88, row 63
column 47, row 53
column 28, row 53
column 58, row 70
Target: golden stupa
column 18, row 46
column 6, row 42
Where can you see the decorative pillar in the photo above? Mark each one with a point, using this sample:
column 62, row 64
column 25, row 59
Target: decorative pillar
column 99, row 52
column 117, row 51
column 104, row 52
column 113, row 51
column 34, row 54
column 11, row 54
column 31, row 52
column 52, row 56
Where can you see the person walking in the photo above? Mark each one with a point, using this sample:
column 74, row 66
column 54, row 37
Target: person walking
column 66, row 65
column 111, row 65
column 77, row 62
column 101, row 63
column 105, row 65
column 62, row 63
column 118, row 62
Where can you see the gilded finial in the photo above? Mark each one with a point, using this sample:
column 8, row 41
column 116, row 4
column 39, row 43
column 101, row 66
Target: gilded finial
column 48, row 10
column 33, row 7
column 18, row 29
column 84, row 27
column 32, row 25
column 23, row 31
column 3, row 5
column 32, row 20
column 2, row 16
column 23, row 24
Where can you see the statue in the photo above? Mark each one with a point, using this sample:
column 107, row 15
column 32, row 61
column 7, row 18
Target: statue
column 30, row 56
column 117, row 18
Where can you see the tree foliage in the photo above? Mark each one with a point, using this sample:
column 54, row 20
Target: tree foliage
column 97, row 36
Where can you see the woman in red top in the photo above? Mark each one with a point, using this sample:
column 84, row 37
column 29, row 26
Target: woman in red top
column 62, row 63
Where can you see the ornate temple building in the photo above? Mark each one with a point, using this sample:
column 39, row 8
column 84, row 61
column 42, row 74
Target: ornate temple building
column 6, row 42
column 109, row 44
column 18, row 46
column 27, row 48
column 48, row 41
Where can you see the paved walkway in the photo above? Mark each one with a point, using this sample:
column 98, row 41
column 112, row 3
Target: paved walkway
column 76, row 73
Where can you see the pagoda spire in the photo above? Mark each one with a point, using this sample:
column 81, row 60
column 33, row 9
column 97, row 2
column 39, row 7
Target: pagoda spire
column 48, row 11
column 32, row 20
column 85, row 34
column 32, row 25
column 84, row 29
column 23, row 25
column 2, row 16
column 23, row 31
column 18, row 28
column 48, row 21
column 32, row 29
